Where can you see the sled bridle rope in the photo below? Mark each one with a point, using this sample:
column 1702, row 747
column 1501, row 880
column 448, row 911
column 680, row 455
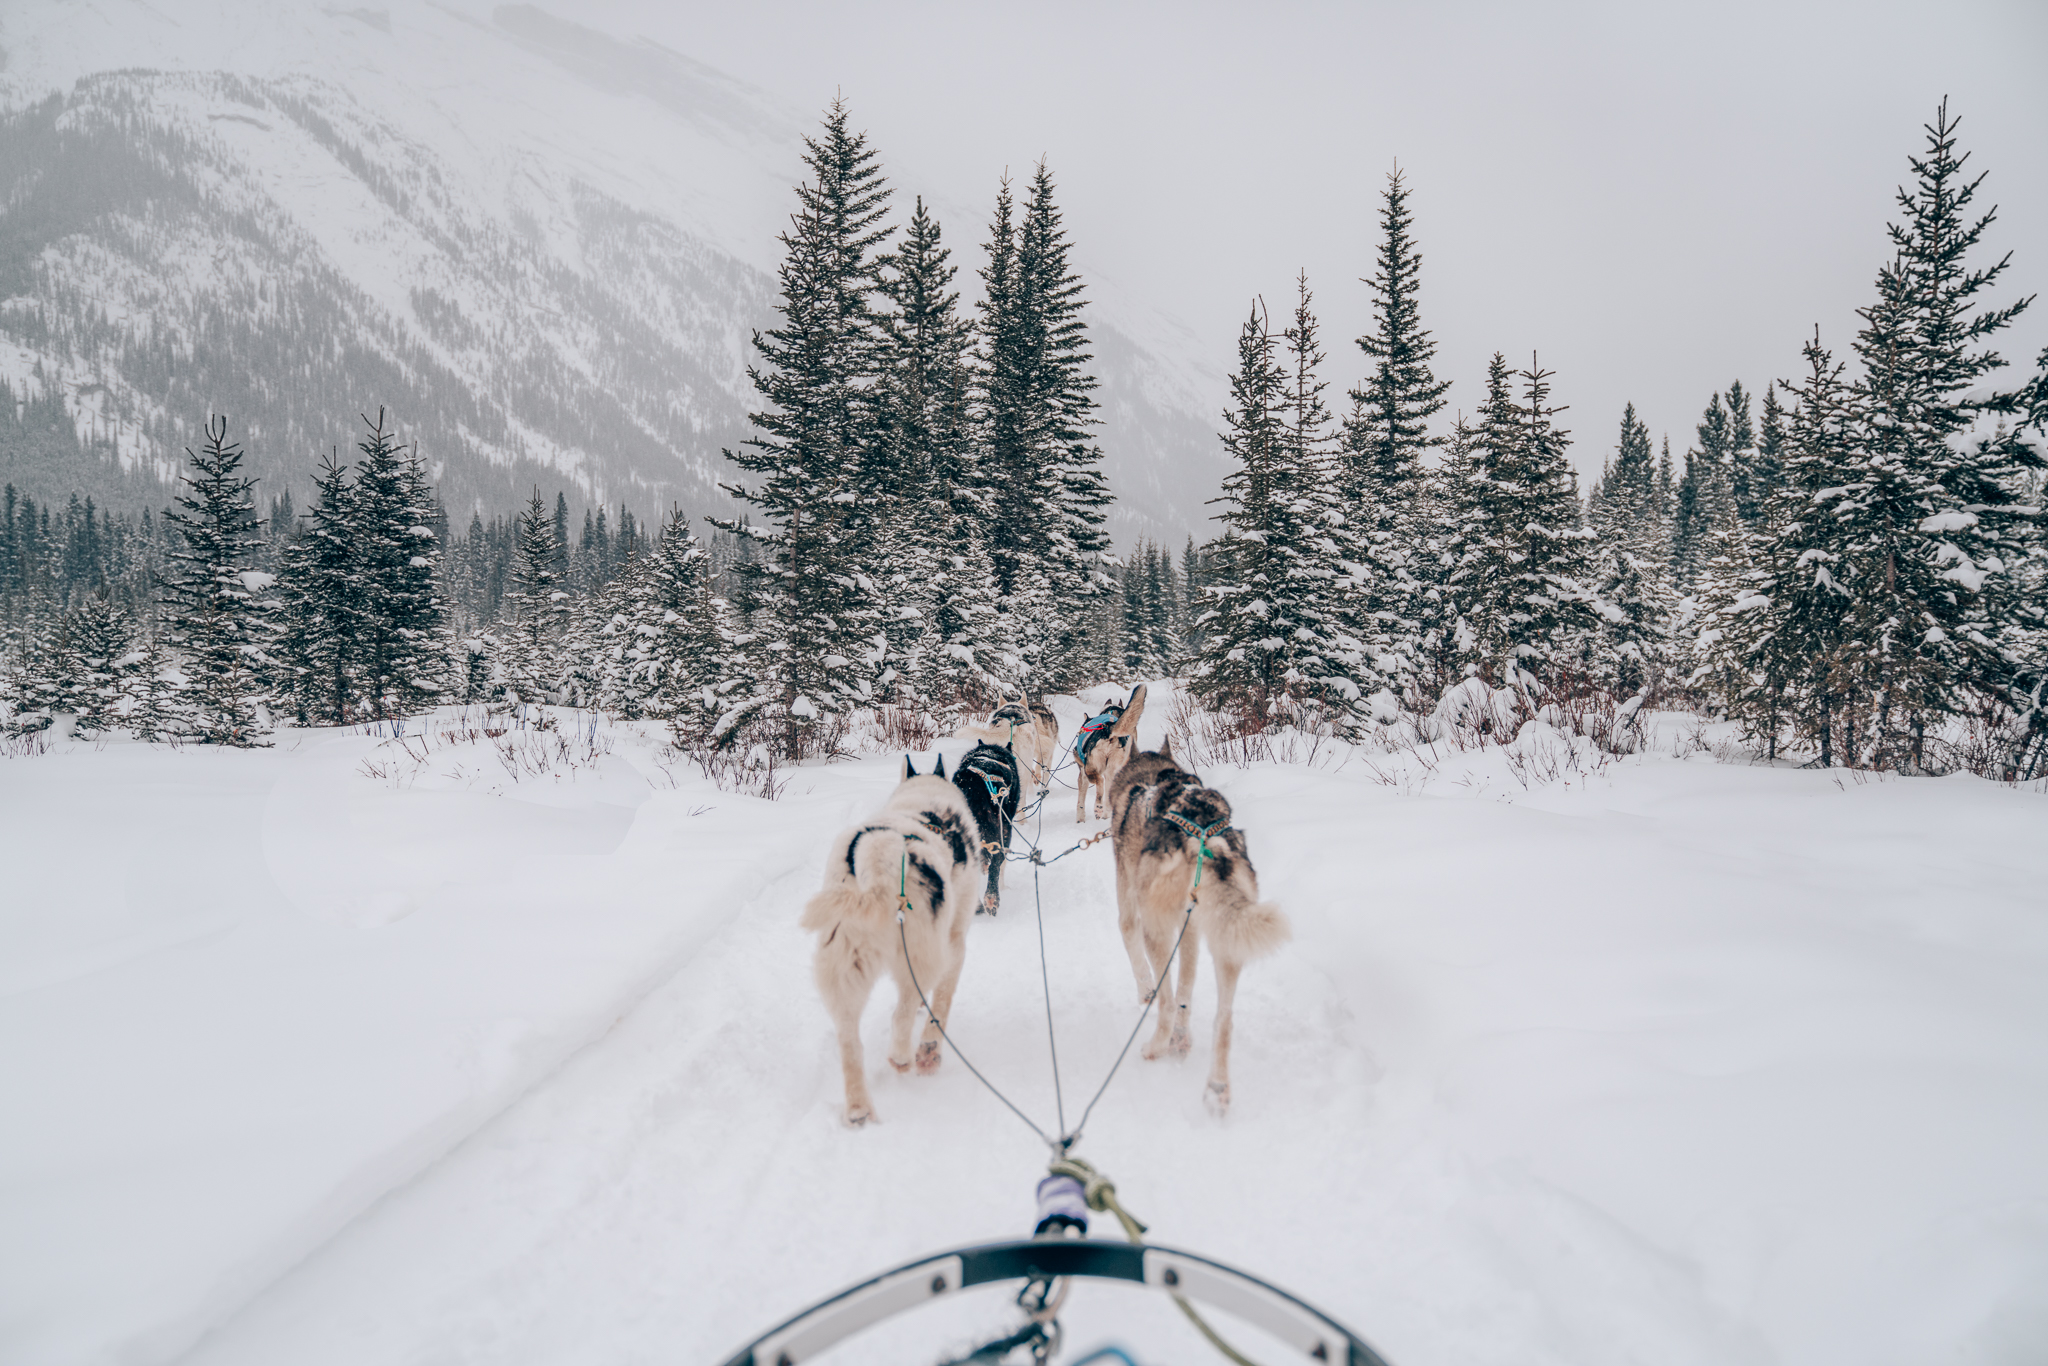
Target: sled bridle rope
column 1096, row 1190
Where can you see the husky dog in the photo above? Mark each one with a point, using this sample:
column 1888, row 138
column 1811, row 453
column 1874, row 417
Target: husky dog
column 918, row 852
column 1030, row 730
column 1106, row 741
column 1163, row 819
column 987, row 778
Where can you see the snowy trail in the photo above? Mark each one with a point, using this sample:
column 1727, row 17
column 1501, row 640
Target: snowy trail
column 1684, row 1062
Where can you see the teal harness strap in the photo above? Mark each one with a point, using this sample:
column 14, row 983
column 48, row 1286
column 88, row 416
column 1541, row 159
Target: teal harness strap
column 1196, row 832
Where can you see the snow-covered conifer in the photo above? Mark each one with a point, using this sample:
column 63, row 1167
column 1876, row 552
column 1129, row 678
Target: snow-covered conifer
column 1381, row 477
column 813, row 604
column 219, row 605
column 539, row 606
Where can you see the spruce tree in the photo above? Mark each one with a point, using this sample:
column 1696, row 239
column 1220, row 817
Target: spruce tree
column 814, row 614
column 1522, row 573
column 1934, row 532
column 320, row 588
column 95, row 662
column 1264, row 636
column 1038, row 412
column 1386, row 436
column 539, row 607
column 941, row 623
column 1779, row 631
column 218, row 603
column 1630, row 640
column 400, row 651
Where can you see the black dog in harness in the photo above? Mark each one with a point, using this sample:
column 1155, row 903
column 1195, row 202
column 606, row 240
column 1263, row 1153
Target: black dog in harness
column 987, row 777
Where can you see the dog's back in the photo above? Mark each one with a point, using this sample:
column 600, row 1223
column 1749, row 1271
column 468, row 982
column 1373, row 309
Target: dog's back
column 988, row 780
column 1184, row 869
column 920, row 852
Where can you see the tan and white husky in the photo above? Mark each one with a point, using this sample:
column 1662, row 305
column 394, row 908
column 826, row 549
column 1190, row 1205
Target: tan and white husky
column 1107, row 740
column 920, row 852
column 1030, row 730
column 1161, row 816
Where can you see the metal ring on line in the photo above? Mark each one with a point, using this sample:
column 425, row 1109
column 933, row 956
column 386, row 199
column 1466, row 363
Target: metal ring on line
column 1315, row 1334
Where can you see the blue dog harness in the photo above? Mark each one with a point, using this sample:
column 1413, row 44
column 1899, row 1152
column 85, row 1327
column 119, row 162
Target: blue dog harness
column 1093, row 730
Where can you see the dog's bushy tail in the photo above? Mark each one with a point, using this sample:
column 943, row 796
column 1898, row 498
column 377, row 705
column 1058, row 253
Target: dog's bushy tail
column 869, row 894
column 1247, row 931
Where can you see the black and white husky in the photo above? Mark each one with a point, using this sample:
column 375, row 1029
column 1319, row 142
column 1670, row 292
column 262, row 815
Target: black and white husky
column 987, row 777
column 1168, row 825
column 920, row 853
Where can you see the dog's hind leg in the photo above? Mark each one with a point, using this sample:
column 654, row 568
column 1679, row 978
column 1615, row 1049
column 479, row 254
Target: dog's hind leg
column 845, row 988
column 1217, row 1096
column 1181, row 1040
column 1128, row 909
column 1162, row 927
column 929, row 1054
column 904, row 1018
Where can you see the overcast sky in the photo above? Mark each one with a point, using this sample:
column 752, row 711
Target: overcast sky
column 1658, row 199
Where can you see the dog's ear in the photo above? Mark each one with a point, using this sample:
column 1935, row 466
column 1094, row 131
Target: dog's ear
column 1136, row 693
column 940, row 770
column 1166, row 750
column 909, row 769
column 1010, row 746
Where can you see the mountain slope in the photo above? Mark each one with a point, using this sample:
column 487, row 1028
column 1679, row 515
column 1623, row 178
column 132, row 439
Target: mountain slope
column 543, row 248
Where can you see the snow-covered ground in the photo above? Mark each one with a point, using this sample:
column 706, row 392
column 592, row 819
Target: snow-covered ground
column 1662, row 1060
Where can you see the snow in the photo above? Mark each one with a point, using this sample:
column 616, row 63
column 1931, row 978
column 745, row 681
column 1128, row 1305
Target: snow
column 329, row 1056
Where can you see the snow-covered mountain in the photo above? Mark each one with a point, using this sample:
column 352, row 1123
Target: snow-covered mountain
column 543, row 248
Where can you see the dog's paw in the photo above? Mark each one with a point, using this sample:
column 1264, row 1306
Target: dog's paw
column 858, row 1116
column 1180, row 1043
column 903, row 1066
column 988, row 904
column 928, row 1057
column 1217, row 1098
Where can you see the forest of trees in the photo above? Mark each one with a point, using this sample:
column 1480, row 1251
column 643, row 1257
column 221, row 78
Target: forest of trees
column 1850, row 564
column 1854, row 565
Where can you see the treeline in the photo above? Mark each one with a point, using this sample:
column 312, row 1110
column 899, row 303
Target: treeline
column 1860, row 567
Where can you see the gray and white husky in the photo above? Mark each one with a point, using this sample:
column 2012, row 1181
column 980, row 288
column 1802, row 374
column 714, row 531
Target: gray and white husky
column 919, row 852
column 1161, row 815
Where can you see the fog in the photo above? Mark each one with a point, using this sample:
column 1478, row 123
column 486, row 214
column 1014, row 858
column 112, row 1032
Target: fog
column 1655, row 199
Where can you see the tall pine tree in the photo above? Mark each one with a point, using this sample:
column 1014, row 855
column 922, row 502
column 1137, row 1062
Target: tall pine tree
column 219, row 604
column 814, row 612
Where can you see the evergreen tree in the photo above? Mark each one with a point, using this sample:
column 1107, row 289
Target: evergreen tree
column 688, row 658
column 1310, row 533
column 400, row 650
column 219, row 611
column 1934, row 532
column 1038, row 412
column 320, row 588
column 540, row 608
column 94, row 662
column 1248, row 625
column 1779, row 631
column 1454, row 526
column 813, row 609
column 1382, row 477
column 943, row 624
column 1630, row 641
column 1521, row 575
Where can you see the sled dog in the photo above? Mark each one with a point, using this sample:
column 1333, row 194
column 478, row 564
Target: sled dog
column 1030, row 730
column 1160, row 815
column 1106, row 741
column 987, row 778
column 919, row 849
